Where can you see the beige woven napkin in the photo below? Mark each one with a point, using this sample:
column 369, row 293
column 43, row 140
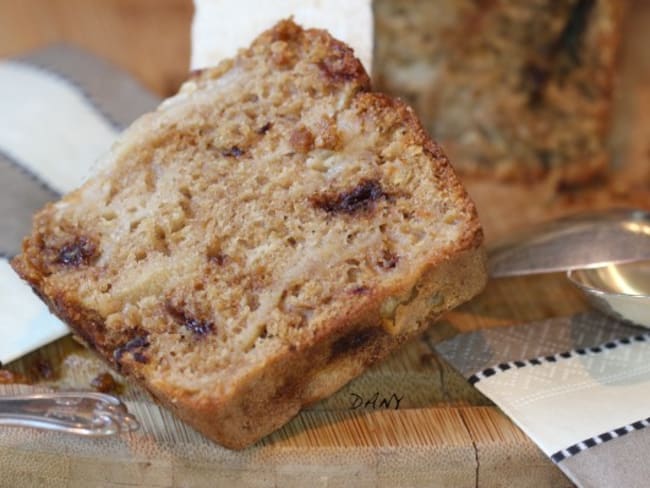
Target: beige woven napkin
column 578, row 386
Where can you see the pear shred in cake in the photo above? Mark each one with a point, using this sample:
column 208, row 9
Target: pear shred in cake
column 261, row 239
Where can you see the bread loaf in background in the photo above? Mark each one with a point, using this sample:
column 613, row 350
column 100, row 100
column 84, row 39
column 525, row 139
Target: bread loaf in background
column 517, row 89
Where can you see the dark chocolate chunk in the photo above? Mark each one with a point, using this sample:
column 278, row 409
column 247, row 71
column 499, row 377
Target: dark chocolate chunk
column 218, row 258
column 233, row 152
column 197, row 326
column 140, row 357
column 360, row 290
column 264, row 129
column 132, row 346
column 78, row 252
column 361, row 198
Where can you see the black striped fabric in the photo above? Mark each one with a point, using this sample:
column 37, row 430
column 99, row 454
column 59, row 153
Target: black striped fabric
column 581, row 446
column 502, row 367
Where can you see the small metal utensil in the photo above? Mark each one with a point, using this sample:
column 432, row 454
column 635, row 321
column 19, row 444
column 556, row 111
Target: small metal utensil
column 606, row 256
column 621, row 291
column 582, row 241
column 83, row 413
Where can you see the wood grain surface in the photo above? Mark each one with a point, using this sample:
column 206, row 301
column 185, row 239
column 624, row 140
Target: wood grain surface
column 410, row 421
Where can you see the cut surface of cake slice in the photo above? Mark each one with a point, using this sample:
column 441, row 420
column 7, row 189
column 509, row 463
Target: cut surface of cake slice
column 260, row 239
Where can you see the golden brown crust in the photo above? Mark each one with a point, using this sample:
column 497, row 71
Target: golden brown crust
column 308, row 362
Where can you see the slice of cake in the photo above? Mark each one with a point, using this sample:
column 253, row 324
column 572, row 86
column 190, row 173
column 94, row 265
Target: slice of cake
column 261, row 239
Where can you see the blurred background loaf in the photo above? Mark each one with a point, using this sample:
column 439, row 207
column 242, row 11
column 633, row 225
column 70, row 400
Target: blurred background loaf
column 518, row 89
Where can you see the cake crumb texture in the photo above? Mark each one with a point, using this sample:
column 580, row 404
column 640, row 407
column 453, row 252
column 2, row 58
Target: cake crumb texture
column 261, row 239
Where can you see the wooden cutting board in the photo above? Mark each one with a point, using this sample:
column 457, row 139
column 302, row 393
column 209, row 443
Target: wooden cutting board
column 410, row 421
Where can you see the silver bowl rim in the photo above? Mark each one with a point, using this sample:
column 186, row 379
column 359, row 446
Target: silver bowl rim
column 597, row 291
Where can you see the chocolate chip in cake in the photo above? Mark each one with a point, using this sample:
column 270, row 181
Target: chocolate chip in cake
column 80, row 251
column 264, row 129
column 199, row 328
column 360, row 198
column 140, row 357
column 233, row 152
column 132, row 346
column 218, row 258
column 360, row 290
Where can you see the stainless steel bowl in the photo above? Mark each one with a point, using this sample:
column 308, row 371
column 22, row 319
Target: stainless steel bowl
column 619, row 290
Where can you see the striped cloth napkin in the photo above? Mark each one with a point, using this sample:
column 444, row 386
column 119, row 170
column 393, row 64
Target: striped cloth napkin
column 578, row 386
column 61, row 109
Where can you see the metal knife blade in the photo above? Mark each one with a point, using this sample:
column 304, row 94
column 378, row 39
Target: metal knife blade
column 584, row 240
